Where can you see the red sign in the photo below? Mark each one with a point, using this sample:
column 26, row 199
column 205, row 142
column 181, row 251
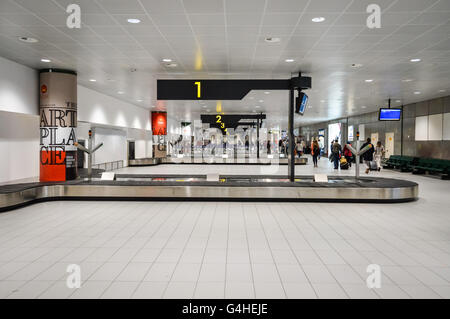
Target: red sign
column 159, row 123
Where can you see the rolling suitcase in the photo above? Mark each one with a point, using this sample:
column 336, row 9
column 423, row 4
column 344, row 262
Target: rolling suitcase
column 373, row 166
column 344, row 163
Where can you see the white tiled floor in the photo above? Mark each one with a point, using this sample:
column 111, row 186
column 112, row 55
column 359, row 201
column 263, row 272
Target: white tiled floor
column 229, row 250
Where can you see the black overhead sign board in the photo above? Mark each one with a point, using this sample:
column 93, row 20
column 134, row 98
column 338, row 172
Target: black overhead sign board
column 222, row 89
column 226, row 121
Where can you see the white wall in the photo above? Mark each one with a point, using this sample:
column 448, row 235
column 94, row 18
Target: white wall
column 114, row 145
column 19, row 145
column 19, row 121
column 98, row 108
column 19, row 88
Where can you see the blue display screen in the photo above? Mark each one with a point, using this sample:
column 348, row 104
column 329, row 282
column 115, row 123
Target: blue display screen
column 390, row 114
column 301, row 104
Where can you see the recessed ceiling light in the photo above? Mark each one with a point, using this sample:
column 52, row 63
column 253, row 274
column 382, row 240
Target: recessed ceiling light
column 369, row 81
column 204, row 106
column 28, row 40
column 171, row 65
column 322, row 101
column 261, row 101
column 398, row 101
column 363, row 107
column 133, row 20
column 140, row 100
column 318, row 19
column 153, row 106
column 272, row 40
column 257, row 106
column 167, row 60
column 46, row 60
column 93, row 80
column 441, row 91
column 415, row 60
column 289, row 60
column 417, row 92
column 266, row 92
column 407, row 80
column 120, row 92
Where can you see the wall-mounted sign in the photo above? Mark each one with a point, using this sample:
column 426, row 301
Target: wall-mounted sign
column 350, row 133
column 159, row 123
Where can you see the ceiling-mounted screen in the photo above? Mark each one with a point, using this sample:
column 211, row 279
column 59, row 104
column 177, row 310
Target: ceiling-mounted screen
column 390, row 114
column 301, row 102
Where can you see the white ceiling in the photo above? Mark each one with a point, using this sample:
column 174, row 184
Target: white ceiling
column 225, row 39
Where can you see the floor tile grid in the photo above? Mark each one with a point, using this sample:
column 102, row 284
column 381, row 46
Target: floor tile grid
column 174, row 209
column 180, row 215
column 392, row 279
column 70, row 215
column 202, row 261
column 408, row 270
column 241, row 213
column 261, row 210
column 339, row 253
column 274, row 216
column 50, row 265
column 403, row 246
column 352, row 266
column 49, row 269
column 413, row 224
column 158, row 213
column 198, row 214
column 288, row 214
column 30, row 228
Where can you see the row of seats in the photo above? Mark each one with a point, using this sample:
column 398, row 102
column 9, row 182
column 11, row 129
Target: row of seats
column 418, row 165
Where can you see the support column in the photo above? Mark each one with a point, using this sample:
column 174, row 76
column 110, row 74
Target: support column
column 291, row 141
column 58, row 122
column 257, row 137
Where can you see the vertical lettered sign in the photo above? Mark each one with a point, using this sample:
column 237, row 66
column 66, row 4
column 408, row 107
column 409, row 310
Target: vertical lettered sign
column 58, row 122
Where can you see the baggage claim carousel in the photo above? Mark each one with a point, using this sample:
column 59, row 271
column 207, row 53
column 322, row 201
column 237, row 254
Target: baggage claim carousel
column 198, row 188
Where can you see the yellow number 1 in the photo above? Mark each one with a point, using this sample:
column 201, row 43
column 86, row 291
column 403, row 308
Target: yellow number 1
column 199, row 89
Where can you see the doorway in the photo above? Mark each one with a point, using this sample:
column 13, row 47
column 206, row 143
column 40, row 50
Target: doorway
column 334, row 133
column 374, row 138
column 389, row 145
column 131, row 150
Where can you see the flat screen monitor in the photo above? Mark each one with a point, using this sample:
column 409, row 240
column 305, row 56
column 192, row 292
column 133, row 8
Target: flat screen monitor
column 390, row 114
column 301, row 102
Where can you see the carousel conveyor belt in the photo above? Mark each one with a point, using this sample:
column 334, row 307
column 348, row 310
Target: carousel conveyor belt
column 196, row 187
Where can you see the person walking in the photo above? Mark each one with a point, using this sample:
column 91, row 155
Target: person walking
column 379, row 154
column 368, row 156
column 315, row 152
column 336, row 150
column 348, row 154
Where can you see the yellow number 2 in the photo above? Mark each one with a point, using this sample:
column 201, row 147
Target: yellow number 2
column 199, row 89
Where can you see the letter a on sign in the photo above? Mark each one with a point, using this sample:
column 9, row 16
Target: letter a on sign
column 374, row 19
column 374, row 279
column 74, row 279
column 74, row 19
